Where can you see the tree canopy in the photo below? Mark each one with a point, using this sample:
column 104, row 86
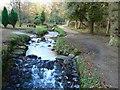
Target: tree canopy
column 13, row 18
column 42, row 17
column 5, row 20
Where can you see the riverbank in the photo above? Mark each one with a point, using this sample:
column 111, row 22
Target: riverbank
column 95, row 50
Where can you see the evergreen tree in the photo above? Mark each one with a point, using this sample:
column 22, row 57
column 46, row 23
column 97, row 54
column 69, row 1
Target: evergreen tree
column 5, row 20
column 42, row 17
column 13, row 18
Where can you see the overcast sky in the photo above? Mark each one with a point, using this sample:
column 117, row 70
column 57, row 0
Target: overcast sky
column 6, row 2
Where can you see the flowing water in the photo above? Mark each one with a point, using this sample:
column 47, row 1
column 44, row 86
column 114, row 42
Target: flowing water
column 41, row 70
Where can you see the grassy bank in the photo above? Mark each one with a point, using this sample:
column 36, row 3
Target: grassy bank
column 63, row 48
column 88, row 79
column 39, row 30
column 61, row 31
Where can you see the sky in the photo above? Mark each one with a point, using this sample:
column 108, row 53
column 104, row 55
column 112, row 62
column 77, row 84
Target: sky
column 6, row 2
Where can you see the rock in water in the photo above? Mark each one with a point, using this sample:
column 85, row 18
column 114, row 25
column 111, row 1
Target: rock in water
column 43, row 39
column 77, row 58
column 62, row 57
column 71, row 56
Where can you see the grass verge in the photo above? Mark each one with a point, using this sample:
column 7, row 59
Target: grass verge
column 88, row 79
column 60, row 31
column 63, row 48
column 39, row 30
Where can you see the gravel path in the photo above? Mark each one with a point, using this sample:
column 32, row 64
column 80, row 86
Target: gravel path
column 95, row 49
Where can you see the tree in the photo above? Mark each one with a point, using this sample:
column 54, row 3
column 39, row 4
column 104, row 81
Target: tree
column 5, row 20
column 76, row 11
column 70, row 12
column 42, row 17
column 16, row 5
column 95, row 14
column 13, row 18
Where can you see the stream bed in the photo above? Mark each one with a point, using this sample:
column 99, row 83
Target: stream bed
column 41, row 68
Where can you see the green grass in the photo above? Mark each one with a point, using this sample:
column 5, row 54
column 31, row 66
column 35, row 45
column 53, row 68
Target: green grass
column 39, row 30
column 63, row 47
column 61, row 31
column 88, row 79
column 17, row 39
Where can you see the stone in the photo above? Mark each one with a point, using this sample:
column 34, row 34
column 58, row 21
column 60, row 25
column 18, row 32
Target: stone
column 39, row 57
column 21, row 47
column 15, row 56
column 62, row 57
column 43, row 39
column 77, row 86
column 32, row 56
column 59, row 79
column 17, row 85
column 27, row 86
column 71, row 56
column 49, row 45
column 8, row 88
column 27, row 75
column 19, row 52
column 53, row 49
column 13, row 79
column 77, row 58
column 74, row 75
column 75, row 79
column 49, row 65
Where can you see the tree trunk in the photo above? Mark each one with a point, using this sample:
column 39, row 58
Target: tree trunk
column 79, row 25
column 91, row 27
column 108, row 27
column 68, row 22
column 76, row 24
column 13, row 26
column 19, row 15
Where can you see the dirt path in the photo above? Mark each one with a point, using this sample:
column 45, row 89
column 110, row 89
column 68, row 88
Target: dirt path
column 96, row 50
column 4, row 33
